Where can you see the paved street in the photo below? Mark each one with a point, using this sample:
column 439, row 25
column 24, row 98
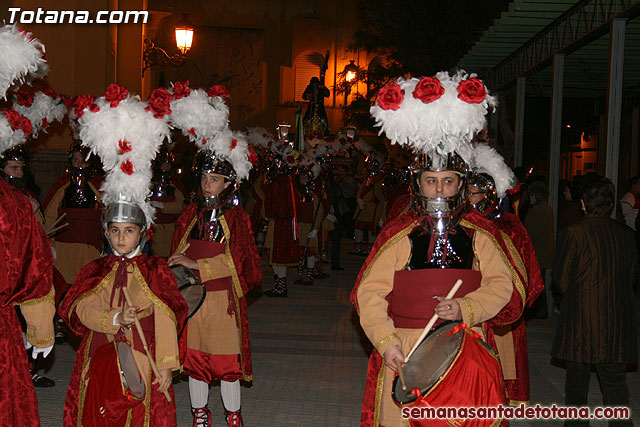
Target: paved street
column 310, row 358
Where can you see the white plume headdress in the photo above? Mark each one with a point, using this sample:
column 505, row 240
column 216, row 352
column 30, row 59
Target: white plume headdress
column 126, row 134
column 204, row 118
column 438, row 114
column 41, row 109
column 488, row 160
column 22, row 58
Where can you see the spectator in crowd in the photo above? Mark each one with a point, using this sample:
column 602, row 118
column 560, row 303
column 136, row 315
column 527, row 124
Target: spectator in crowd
column 595, row 267
column 539, row 222
column 349, row 189
column 630, row 203
column 569, row 208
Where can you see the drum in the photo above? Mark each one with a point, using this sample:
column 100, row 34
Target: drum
column 452, row 367
column 190, row 287
column 115, row 384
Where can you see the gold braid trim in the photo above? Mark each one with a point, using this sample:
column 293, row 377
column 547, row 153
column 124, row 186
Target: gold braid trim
column 48, row 298
column 378, row 401
column 472, row 315
column 166, row 359
column 236, row 290
column 395, row 238
column 207, row 269
column 514, row 275
column 103, row 284
column 137, row 274
column 81, row 391
column 45, row 341
column 103, row 321
column 384, row 340
column 185, row 236
column 517, row 403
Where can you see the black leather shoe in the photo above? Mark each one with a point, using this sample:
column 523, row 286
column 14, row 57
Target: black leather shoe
column 39, row 381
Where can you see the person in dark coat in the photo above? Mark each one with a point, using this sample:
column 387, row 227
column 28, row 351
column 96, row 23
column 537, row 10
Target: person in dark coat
column 595, row 268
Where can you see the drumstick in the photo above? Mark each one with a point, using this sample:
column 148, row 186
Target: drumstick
column 144, row 343
column 400, row 373
column 57, row 221
column 51, row 231
column 427, row 328
column 182, row 251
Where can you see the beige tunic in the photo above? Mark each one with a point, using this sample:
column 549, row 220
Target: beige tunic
column 476, row 307
column 38, row 314
column 97, row 314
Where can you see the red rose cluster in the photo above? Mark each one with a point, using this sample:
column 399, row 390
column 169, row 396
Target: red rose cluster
column 472, row 91
column 181, row 89
column 115, row 93
column 24, row 98
column 18, row 122
column 218, row 90
column 84, row 101
column 390, row 97
column 159, row 102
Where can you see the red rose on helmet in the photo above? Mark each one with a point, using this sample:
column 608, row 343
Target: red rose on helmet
column 126, row 167
column 218, row 90
column 253, row 157
column 82, row 102
column 472, row 91
column 181, row 89
column 124, row 146
column 234, row 142
column 25, row 125
column 25, row 99
column 44, row 123
column 115, row 93
column 14, row 119
column 159, row 101
column 390, row 97
column 50, row 92
column 428, row 90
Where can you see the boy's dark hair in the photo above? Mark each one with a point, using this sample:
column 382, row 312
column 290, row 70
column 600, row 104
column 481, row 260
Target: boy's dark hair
column 598, row 195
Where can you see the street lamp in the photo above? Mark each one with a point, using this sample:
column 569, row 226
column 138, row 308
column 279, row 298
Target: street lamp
column 153, row 55
column 350, row 76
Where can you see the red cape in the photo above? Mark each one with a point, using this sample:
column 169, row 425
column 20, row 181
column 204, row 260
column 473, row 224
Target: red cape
column 246, row 263
column 162, row 283
column 279, row 207
column 405, row 224
column 26, row 273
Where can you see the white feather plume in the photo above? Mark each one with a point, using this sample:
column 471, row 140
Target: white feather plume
column 106, row 130
column 9, row 138
column 43, row 107
column 445, row 125
column 260, row 137
column 205, row 120
column 22, row 58
column 489, row 161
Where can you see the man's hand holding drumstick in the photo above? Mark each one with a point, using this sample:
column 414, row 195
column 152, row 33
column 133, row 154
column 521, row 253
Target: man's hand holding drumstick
column 448, row 309
column 180, row 258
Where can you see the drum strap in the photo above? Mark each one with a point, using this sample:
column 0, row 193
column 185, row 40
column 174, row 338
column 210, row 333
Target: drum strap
column 463, row 327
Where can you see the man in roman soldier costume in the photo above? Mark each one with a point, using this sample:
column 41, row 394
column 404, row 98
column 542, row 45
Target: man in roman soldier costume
column 113, row 293
column 213, row 237
column 167, row 196
column 488, row 184
column 311, row 208
column 76, row 195
column 26, row 261
column 418, row 256
column 283, row 234
column 371, row 200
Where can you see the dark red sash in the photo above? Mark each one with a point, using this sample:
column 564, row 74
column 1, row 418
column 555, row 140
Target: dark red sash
column 412, row 303
column 200, row 249
column 84, row 227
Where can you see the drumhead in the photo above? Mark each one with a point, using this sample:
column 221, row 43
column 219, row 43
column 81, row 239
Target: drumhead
column 184, row 275
column 194, row 295
column 429, row 362
column 131, row 378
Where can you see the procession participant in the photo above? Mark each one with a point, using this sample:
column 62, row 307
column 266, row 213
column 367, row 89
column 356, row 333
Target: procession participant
column 220, row 248
column 167, row 196
column 76, row 195
column 311, row 209
column 283, row 234
column 126, row 134
column 433, row 244
column 26, row 261
column 370, row 208
column 488, row 184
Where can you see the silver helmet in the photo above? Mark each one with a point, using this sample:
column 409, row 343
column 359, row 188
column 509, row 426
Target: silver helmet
column 207, row 162
column 124, row 211
column 487, row 187
column 444, row 212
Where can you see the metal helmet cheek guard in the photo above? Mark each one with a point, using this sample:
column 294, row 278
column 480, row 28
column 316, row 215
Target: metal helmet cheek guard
column 444, row 213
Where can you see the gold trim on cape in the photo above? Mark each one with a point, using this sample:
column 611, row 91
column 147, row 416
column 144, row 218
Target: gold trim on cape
column 103, row 283
column 386, row 339
column 137, row 274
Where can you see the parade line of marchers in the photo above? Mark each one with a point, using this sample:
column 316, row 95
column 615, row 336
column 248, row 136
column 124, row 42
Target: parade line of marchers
column 536, row 412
